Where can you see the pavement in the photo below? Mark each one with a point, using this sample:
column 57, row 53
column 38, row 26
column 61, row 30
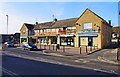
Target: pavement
column 109, row 56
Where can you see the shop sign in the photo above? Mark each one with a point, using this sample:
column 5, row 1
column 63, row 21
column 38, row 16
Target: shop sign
column 88, row 33
column 23, row 36
column 66, row 35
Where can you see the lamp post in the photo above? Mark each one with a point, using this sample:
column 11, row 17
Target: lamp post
column 7, row 24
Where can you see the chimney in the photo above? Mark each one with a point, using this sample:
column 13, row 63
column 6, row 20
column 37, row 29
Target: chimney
column 109, row 21
column 36, row 23
column 55, row 19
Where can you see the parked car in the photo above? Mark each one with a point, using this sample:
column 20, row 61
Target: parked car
column 9, row 44
column 29, row 46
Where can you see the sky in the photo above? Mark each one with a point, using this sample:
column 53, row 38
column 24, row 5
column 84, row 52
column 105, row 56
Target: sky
column 30, row 12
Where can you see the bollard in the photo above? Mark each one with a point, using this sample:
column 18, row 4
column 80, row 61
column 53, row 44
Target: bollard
column 53, row 47
column 49, row 47
column 94, row 47
column 80, row 49
column 40, row 46
column 86, row 49
column 118, row 54
column 56, row 48
column 97, row 46
column 90, row 48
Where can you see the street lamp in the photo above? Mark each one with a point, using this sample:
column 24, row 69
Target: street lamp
column 7, row 24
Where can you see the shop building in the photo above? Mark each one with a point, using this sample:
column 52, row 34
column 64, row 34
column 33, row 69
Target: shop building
column 27, row 33
column 92, row 30
column 66, row 31
column 60, row 32
column 44, row 33
column 87, row 30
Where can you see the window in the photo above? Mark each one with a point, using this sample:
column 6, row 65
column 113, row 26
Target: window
column 23, row 32
column 41, row 31
column 57, row 30
column 53, row 30
column 87, row 25
column 47, row 30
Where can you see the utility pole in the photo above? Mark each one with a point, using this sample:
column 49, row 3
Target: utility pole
column 7, row 24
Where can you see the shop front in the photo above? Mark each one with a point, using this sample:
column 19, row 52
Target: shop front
column 47, row 40
column 88, row 37
column 67, row 40
column 23, row 39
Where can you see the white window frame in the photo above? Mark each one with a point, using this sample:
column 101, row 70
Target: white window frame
column 87, row 25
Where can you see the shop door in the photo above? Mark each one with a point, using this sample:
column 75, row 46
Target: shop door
column 90, row 41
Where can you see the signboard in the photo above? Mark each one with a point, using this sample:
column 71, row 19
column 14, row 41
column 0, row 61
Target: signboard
column 88, row 33
column 23, row 36
column 66, row 35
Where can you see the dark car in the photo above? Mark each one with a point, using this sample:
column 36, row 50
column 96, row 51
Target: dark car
column 29, row 46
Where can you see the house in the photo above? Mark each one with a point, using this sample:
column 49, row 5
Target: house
column 92, row 30
column 54, row 32
column 27, row 33
column 116, row 34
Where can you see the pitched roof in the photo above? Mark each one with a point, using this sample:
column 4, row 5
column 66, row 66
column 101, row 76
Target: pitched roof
column 29, row 26
column 116, row 29
column 95, row 15
column 43, row 25
column 65, row 23
column 57, row 24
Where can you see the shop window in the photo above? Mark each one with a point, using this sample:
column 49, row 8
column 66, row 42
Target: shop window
column 54, row 40
column 87, row 25
column 23, row 40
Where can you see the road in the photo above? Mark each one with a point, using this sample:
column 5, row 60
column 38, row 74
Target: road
column 27, row 63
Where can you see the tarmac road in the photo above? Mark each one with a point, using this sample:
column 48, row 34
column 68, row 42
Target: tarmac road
column 27, row 66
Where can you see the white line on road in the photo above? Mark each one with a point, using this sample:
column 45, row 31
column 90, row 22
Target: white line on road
column 9, row 72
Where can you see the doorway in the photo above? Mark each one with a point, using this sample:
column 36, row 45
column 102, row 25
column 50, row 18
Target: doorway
column 90, row 41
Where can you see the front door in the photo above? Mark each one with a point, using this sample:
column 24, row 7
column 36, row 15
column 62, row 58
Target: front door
column 90, row 41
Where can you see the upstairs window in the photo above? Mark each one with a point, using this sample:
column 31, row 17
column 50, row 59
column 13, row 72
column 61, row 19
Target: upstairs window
column 87, row 25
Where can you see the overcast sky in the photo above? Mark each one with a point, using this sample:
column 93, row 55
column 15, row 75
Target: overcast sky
column 30, row 12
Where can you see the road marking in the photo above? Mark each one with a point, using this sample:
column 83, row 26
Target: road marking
column 111, row 71
column 9, row 72
column 108, row 61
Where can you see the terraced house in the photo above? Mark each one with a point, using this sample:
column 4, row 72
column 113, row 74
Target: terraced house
column 57, row 32
column 87, row 30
